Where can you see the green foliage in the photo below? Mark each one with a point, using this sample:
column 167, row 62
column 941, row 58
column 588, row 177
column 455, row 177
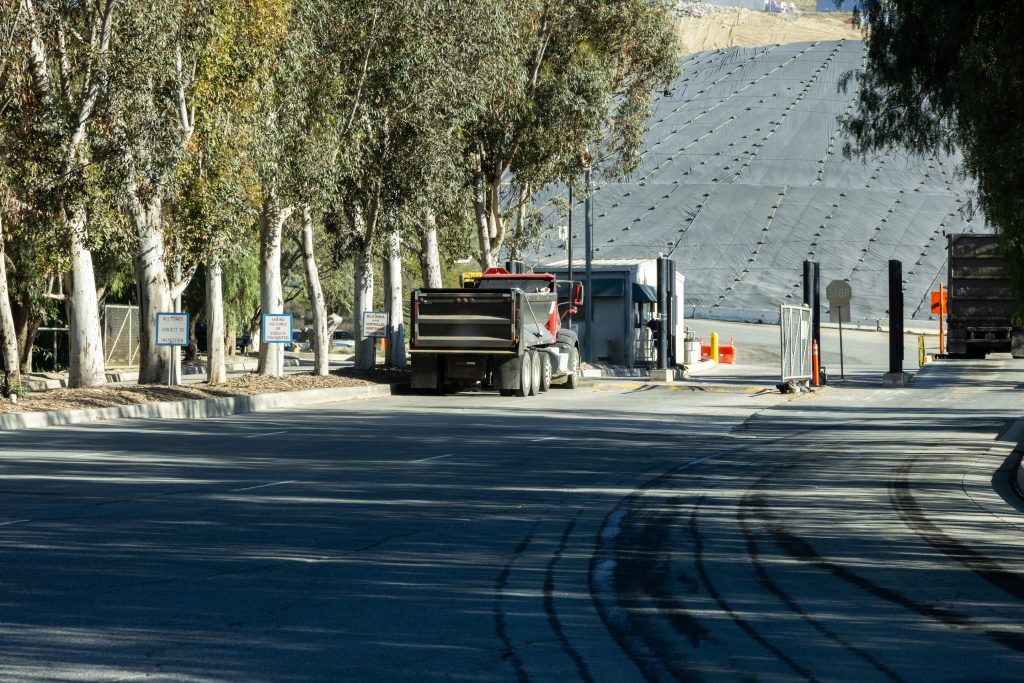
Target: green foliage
column 947, row 76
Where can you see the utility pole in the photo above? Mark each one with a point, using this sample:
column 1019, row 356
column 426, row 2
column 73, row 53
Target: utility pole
column 588, row 293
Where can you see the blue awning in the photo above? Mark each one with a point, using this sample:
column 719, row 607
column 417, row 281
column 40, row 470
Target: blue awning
column 644, row 293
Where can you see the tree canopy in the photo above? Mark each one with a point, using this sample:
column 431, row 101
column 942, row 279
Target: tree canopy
column 950, row 76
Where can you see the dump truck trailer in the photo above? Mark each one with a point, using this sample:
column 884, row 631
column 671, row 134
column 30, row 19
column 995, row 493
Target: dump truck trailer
column 981, row 304
column 502, row 330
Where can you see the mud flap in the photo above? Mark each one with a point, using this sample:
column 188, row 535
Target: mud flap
column 1017, row 342
column 425, row 371
column 506, row 374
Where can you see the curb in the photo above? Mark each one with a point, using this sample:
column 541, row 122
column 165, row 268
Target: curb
column 1015, row 434
column 195, row 408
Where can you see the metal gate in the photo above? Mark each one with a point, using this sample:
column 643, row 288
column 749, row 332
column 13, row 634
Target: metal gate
column 795, row 325
column 120, row 335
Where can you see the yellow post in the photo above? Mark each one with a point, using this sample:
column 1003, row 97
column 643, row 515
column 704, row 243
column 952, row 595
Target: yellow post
column 714, row 347
column 920, row 350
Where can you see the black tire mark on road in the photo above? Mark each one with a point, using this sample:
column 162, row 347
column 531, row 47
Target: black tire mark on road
column 914, row 517
column 549, row 603
column 743, row 624
column 746, row 523
column 500, row 624
column 800, row 550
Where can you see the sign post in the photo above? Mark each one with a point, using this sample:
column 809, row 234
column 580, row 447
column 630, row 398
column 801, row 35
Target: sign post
column 939, row 306
column 375, row 326
column 839, row 294
column 277, row 329
column 172, row 330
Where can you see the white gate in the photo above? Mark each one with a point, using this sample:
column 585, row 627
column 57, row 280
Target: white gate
column 795, row 326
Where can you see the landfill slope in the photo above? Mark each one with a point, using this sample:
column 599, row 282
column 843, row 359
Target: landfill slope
column 743, row 178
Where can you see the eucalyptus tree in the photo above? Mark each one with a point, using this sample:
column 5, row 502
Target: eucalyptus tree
column 947, row 76
column 218, row 180
column 66, row 50
column 148, row 123
column 570, row 81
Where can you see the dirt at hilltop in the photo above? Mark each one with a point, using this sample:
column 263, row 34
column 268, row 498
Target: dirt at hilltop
column 740, row 27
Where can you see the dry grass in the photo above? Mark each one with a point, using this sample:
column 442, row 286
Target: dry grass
column 243, row 385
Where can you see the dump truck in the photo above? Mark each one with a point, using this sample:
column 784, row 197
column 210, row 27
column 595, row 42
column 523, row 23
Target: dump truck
column 981, row 305
column 501, row 329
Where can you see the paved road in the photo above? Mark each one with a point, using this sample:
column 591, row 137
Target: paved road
column 619, row 532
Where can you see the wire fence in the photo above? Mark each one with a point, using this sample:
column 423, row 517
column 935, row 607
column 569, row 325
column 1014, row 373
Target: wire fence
column 120, row 335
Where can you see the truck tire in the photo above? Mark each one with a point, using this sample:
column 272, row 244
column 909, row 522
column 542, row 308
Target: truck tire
column 545, row 370
column 525, row 375
column 538, row 373
column 572, row 380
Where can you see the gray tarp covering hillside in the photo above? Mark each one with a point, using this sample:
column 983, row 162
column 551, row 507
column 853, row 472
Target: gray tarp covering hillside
column 743, row 178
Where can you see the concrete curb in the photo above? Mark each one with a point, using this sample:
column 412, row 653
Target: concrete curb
column 1015, row 434
column 194, row 408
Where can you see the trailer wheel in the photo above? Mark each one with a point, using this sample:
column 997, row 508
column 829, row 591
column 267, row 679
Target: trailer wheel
column 525, row 375
column 545, row 370
column 538, row 373
column 572, row 380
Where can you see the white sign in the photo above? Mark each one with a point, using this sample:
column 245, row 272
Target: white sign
column 277, row 328
column 172, row 329
column 375, row 324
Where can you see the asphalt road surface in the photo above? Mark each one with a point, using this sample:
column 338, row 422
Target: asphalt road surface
column 620, row 532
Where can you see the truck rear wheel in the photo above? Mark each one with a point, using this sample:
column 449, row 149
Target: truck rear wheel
column 572, row 380
column 538, row 373
column 525, row 375
column 545, row 370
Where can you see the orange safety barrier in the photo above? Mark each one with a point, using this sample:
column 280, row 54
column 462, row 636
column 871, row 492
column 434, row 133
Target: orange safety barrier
column 726, row 353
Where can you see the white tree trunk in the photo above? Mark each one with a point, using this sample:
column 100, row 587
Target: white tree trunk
column 154, row 290
column 272, row 222
column 316, row 296
column 430, row 254
column 216, row 369
column 395, row 349
column 8, row 333
column 86, row 336
column 365, row 351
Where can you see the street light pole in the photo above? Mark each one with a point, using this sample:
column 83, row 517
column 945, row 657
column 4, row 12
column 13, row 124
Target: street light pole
column 588, row 294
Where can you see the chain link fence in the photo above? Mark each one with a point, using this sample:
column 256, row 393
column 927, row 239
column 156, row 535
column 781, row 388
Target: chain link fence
column 795, row 324
column 120, row 335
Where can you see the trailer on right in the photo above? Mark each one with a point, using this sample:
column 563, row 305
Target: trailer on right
column 980, row 315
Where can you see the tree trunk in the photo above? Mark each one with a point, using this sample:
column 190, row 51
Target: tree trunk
column 154, row 289
column 316, row 296
column 365, row 351
column 26, row 326
column 430, row 254
column 395, row 349
column 272, row 221
column 86, row 335
column 216, row 368
column 8, row 333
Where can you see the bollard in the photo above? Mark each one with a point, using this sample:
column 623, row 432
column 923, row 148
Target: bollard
column 714, row 347
column 814, row 359
column 920, row 351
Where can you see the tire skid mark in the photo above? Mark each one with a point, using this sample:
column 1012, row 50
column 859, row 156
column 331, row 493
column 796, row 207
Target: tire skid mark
column 633, row 636
column 743, row 624
column 549, row 603
column 746, row 522
column 914, row 517
column 800, row 550
column 628, row 625
column 500, row 624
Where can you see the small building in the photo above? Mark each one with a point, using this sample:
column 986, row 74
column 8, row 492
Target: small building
column 625, row 296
